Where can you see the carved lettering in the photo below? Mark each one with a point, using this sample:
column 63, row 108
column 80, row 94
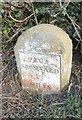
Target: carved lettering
column 40, row 69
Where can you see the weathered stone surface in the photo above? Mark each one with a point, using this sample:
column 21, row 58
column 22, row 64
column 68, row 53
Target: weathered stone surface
column 44, row 57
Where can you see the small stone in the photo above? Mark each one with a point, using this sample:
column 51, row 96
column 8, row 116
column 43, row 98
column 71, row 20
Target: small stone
column 44, row 58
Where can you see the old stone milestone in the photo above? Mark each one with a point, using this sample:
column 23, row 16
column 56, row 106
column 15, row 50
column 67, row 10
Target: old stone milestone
column 44, row 58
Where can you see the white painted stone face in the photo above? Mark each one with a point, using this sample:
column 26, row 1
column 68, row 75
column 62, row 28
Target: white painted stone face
column 44, row 58
column 43, row 68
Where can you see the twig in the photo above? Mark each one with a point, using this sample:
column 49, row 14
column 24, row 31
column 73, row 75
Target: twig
column 60, row 4
column 75, row 5
column 71, row 116
column 68, row 1
column 18, row 30
column 12, row 98
column 73, row 23
column 53, row 21
column 9, row 110
column 58, row 103
column 77, row 44
column 20, row 21
column 18, row 6
column 77, row 25
column 70, row 87
column 34, row 14
column 4, row 68
column 54, row 17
